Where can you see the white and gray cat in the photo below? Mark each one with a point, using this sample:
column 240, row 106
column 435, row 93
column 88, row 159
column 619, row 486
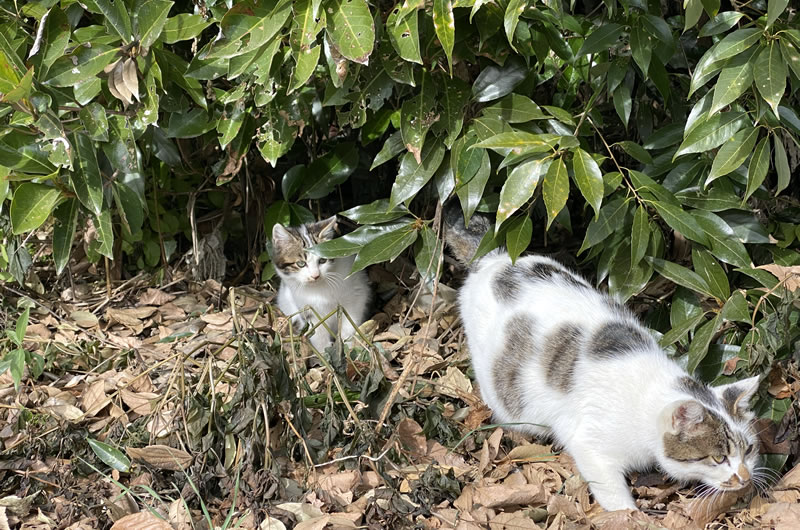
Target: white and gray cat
column 312, row 284
column 570, row 363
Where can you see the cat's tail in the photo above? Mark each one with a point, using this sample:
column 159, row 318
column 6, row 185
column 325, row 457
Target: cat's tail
column 464, row 240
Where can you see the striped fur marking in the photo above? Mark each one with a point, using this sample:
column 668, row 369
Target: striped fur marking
column 561, row 350
column 519, row 348
column 617, row 338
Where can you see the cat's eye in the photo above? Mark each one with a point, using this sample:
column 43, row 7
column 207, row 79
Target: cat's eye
column 322, row 260
column 719, row 459
column 749, row 449
column 300, row 264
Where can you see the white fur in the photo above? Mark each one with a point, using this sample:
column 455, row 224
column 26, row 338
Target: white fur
column 614, row 418
column 321, row 288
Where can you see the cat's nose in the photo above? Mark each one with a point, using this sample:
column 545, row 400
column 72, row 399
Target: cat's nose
column 314, row 276
column 744, row 474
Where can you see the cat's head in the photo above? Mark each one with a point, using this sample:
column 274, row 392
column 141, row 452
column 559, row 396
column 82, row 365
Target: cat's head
column 710, row 437
column 291, row 255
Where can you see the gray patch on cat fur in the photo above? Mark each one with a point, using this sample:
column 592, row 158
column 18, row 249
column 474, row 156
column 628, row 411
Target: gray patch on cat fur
column 711, row 437
column 509, row 280
column 729, row 398
column 699, row 391
column 616, row 338
column 507, row 372
column 464, row 240
column 561, row 350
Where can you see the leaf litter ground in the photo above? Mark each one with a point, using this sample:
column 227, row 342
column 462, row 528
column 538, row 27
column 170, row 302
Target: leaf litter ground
column 215, row 413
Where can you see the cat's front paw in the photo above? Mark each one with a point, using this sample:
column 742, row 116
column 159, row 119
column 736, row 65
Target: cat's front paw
column 321, row 340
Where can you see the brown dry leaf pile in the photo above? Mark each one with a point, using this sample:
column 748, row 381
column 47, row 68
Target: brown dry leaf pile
column 225, row 417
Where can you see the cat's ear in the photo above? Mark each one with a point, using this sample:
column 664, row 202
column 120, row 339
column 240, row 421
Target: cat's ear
column 736, row 396
column 687, row 415
column 280, row 234
column 325, row 229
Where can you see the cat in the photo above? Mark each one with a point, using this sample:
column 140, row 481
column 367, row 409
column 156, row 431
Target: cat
column 570, row 363
column 312, row 284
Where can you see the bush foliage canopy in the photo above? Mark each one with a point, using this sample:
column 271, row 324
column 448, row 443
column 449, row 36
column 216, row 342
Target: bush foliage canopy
column 665, row 134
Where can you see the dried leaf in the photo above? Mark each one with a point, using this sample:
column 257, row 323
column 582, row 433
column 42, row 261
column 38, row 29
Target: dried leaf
column 141, row 521
column 161, row 457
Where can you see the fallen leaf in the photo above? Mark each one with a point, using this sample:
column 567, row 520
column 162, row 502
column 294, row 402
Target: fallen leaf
column 155, row 297
column 84, row 319
column 410, row 435
column 501, row 496
column 781, row 516
column 139, row 402
column 62, row 409
column 141, row 521
column 454, row 383
column 161, row 457
column 531, row 453
column 94, row 398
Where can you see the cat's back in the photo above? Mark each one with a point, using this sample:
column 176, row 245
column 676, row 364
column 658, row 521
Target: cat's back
column 534, row 287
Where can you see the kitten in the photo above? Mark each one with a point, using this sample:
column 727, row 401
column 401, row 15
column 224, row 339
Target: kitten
column 309, row 281
column 552, row 352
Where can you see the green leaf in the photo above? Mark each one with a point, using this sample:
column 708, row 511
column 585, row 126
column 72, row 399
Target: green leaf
column 757, row 170
column 640, row 236
column 519, row 187
column 520, row 142
column 677, row 332
column 636, row 151
column 733, row 153
column 720, row 23
column 90, row 62
column 712, row 133
column 518, row 236
column 247, row 27
column 110, row 455
column 404, row 35
column 494, row 82
column 375, row 212
column 736, row 308
column 54, row 40
column 641, row 47
column 183, row 26
column 701, row 341
column 351, row 243
column 392, row 147
column 775, row 9
column 733, row 44
column 66, row 222
column 152, row 17
column 32, row 205
column 454, row 98
column 445, row 27
column 385, row 247
column 230, row 123
column 129, row 207
column 417, row 116
column 734, row 80
column 588, row 178
column 725, row 244
column 555, row 190
column 93, row 117
column 680, row 275
column 470, row 194
column 516, row 108
column 681, row 221
column 601, row 39
column 427, row 258
column 188, row 124
column 511, row 18
column 305, row 63
column 351, row 29
column 769, row 71
column 105, row 234
column 412, row 176
column 611, row 219
column 781, row 164
column 22, row 90
column 712, row 272
column 694, row 8
column 86, row 180
column 792, row 57
column 329, row 170
column 116, row 17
